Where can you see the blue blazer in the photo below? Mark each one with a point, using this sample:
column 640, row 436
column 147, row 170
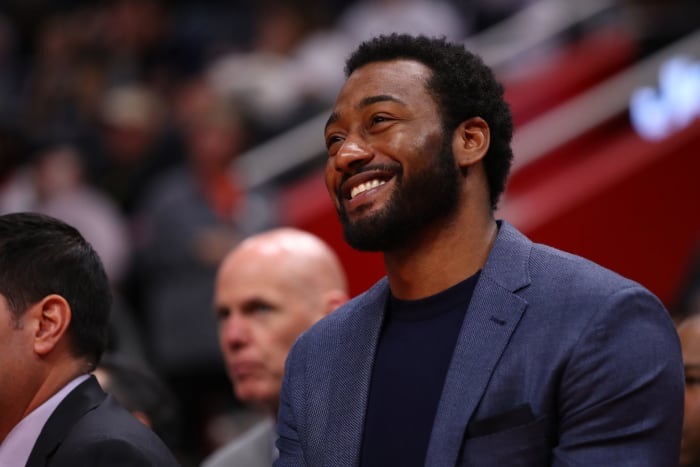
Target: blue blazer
column 89, row 428
column 559, row 362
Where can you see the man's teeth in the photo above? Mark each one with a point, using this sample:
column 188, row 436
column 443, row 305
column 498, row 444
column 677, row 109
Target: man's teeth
column 362, row 187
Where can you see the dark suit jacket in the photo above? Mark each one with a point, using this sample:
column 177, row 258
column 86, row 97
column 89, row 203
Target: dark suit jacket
column 89, row 428
column 559, row 362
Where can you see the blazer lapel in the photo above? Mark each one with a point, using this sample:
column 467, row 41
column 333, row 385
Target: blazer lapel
column 80, row 400
column 493, row 314
column 353, row 370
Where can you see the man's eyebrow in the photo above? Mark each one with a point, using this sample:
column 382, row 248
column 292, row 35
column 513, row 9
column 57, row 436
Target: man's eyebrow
column 332, row 119
column 367, row 101
column 379, row 98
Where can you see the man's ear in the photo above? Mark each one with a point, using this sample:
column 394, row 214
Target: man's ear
column 53, row 315
column 471, row 142
column 333, row 299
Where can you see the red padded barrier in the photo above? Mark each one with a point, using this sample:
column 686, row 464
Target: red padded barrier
column 561, row 74
column 630, row 204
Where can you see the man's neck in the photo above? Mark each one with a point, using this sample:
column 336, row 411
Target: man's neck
column 440, row 258
column 37, row 391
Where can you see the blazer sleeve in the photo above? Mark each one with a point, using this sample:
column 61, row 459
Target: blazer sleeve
column 622, row 392
column 288, row 443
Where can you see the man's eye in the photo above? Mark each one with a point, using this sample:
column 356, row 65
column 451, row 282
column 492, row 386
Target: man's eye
column 331, row 140
column 376, row 119
column 258, row 307
column 262, row 308
column 692, row 380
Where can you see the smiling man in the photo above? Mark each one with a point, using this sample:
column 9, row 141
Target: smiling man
column 479, row 348
column 269, row 289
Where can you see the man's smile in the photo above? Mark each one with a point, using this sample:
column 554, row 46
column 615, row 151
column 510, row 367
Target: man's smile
column 364, row 182
column 362, row 187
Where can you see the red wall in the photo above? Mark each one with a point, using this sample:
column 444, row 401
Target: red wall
column 628, row 204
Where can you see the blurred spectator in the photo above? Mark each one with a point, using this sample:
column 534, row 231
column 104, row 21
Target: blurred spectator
column 190, row 217
column 261, row 79
column 54, row 183
column 135, row 32
column 687, row 300
column 55, row 79
column 367, row 18
column 482, row 14
column 317, row 68
column 9, row 73
column 134, row 143
column 11, row 157
column 657, row 23
column 689, row 332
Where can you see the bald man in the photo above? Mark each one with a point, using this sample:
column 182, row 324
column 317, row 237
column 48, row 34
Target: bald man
column 269, row 289
column 689, row 332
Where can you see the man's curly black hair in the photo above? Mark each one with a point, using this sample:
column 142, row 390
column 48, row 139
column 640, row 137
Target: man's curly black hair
column 463, row 87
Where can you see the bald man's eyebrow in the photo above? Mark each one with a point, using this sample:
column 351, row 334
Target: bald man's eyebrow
column 367, row 101
column 221, row 312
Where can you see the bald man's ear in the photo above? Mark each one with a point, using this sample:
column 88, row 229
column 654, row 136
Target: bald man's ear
column 471, row 142
column 52, row 315
column 333, row 299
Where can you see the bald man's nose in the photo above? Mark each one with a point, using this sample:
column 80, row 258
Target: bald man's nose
column 235, row 331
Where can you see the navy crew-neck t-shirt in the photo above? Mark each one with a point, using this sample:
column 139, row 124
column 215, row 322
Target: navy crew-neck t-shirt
column 415, row 348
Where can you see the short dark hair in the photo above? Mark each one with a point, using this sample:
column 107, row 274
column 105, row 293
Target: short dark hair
column 463, row 87
column 40, row 256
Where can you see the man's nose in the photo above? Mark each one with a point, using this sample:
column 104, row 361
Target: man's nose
column 235, row 332
column 352, row 154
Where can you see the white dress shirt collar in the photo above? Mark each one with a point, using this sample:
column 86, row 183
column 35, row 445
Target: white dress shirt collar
column 18, row 445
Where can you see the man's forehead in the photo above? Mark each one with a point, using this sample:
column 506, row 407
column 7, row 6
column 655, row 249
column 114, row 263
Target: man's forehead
column 399, row 81
column 393, row 77
column 402, row 66
column 240, row 293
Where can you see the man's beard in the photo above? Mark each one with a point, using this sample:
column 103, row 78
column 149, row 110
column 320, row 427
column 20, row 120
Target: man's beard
column 430, row 195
